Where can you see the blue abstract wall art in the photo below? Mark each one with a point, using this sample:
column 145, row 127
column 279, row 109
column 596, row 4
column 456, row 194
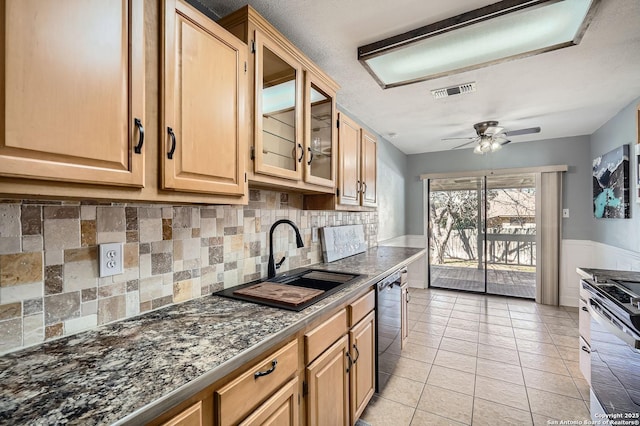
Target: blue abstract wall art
column 611, row 184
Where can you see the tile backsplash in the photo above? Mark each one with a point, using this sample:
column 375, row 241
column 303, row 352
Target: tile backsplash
column 49, row 274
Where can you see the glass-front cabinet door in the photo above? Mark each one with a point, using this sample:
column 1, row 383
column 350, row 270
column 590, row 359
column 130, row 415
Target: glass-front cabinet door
column 320, row 132
column 278, row 149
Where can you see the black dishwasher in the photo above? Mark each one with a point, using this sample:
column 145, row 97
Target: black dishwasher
column 388, row 325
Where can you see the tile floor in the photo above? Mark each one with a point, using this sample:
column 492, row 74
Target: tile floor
column 482, row 360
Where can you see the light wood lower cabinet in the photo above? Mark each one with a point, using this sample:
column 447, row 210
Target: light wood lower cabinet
column 362, row 339
column 279, row 410
column 328, row 386
column 238, row 399
column 192, row 416
column 329, row 381
column 404, row 313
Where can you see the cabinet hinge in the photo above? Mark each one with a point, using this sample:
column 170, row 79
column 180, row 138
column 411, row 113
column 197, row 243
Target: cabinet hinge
column 253, row 46
column 338, row 192
column 338, row 124
column 253, row 153
column 245, row 67
column 305, row 389
column 245, row 177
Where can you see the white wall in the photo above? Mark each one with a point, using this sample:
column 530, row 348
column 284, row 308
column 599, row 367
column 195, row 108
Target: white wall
column 590, row 254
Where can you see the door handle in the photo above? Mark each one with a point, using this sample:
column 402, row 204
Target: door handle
column 310, row 156
column 357, row 353
column 138, row 148
column 173, row 143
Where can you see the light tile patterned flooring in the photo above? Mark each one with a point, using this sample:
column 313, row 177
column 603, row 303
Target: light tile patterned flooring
column 483, row 360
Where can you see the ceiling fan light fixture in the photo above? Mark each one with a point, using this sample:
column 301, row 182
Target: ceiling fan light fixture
column 492, row 34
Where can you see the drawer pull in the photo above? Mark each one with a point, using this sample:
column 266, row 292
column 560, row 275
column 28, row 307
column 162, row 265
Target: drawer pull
column 269, row 371
column 584, row 348
column 584, row 308
column 357, row 353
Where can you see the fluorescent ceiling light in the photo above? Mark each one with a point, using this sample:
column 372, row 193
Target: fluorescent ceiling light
column 505, row 30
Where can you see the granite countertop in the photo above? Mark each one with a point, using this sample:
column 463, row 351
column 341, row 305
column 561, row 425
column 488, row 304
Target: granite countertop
column 131, row 371
column 602, row 275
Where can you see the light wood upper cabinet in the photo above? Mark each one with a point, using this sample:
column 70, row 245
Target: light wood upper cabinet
column 204, row 126
column 368, row 170
column 349, row 161
column 278, row 145
column 320, row 132
column 293, row 105
column 72, row 85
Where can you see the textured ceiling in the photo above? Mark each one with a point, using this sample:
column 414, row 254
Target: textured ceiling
column 567, row 92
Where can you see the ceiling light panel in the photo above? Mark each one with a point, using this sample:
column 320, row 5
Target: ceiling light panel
column 505, row 30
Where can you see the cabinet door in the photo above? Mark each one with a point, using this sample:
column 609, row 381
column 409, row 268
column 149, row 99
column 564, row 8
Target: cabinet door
column 192, row 416
column 363, row 382
column 72, row 83
column 279, row 410
column 369, row 170
column 349, row 161
column 278, row 149
column 320, row 132
column 328, row 387
column 205, row 84
column 404, row 314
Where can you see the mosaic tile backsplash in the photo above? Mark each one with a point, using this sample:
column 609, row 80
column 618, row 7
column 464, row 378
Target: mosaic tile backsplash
column 49, row 273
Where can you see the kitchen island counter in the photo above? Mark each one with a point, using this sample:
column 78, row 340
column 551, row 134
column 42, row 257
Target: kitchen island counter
column 131, row 371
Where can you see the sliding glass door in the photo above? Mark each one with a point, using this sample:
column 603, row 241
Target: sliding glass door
column 456, row 226
column 482, row 234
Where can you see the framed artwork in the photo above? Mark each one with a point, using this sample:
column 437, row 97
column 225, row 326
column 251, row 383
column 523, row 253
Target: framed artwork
column 611, row 184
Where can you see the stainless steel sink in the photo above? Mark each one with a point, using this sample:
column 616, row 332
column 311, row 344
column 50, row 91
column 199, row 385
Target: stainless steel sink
column 328, row 282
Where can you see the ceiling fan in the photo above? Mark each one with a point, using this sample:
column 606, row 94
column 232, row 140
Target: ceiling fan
column 490, row 137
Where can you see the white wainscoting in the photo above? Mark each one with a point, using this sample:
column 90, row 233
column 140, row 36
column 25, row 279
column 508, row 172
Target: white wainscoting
column 589, row 254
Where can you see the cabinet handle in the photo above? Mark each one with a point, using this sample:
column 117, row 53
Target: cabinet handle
column 584, row 348
column 138, row 148
column 269, row 371
column 350, row 361
column 310, row 156
column 358, row 186
column 365, row 188
column 584, row 308
column 301, row 153
column 173, row 143
column 357, row 353
column 408, row 296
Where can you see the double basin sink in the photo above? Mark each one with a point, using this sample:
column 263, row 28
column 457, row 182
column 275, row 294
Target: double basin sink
column 294, row 290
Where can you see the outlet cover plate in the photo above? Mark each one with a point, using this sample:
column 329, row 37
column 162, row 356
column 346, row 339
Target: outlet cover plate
column 111, row 259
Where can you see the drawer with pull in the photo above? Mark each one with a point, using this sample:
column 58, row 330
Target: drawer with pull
column 240, row 397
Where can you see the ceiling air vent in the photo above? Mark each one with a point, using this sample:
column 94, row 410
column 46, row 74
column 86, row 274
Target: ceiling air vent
column 454, row 90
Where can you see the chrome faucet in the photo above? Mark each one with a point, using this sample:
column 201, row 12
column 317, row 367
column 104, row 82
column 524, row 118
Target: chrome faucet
column 272, row 265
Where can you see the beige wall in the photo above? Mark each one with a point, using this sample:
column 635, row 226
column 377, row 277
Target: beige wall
column 49, row 284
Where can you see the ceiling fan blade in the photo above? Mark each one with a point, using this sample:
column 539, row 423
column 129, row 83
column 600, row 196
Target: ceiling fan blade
column 466, row 143
column 523, row 131
column 454, row 139
column 505, row 142
column 493, row 130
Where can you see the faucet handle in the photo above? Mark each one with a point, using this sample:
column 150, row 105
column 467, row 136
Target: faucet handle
column 279, row 264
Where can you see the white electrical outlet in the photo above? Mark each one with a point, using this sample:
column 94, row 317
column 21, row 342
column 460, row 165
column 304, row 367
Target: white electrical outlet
column 111, row 259
column 565, row 213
